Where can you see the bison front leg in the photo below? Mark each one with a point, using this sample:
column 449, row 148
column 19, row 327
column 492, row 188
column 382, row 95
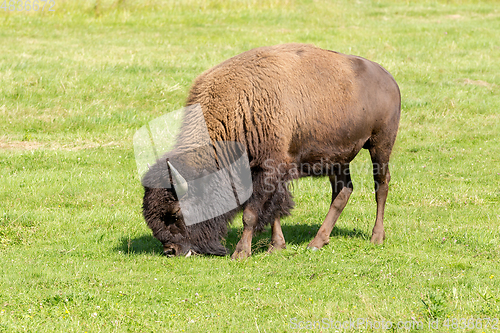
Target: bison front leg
column 277, row 238
column 341, row 191
column 244, row 247
column 271, row 199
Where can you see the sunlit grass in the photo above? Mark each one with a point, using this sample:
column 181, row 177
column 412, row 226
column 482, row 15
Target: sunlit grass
column 75, row 252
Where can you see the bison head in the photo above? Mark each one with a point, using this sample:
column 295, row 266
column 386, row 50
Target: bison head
column 169, row 210
column 163, row 214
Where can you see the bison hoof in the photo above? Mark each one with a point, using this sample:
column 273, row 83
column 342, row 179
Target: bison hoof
column 275, row 247
column 378, row 238
column 317, row 243
column 240, row 255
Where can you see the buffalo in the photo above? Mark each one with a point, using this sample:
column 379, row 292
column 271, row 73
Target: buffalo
column 297, row 110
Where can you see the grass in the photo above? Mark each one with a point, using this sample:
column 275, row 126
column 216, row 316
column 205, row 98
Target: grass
column 76, row 254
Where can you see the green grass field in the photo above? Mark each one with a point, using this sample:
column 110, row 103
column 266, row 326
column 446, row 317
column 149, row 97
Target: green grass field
column 77, row 256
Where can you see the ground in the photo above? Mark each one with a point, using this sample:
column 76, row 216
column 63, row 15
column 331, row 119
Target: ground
column 76, row 254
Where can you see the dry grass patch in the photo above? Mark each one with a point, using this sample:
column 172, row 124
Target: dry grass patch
column 35, row 145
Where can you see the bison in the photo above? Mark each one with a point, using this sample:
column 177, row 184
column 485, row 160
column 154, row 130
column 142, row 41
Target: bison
column 298, row 111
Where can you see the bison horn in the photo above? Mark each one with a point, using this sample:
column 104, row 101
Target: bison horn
column 181, row 187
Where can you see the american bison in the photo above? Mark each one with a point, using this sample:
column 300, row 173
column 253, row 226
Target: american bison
column 298, row 111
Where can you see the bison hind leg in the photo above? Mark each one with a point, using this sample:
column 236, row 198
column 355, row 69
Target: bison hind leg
column 380, row 150
column 381, row 176
column 341, row 191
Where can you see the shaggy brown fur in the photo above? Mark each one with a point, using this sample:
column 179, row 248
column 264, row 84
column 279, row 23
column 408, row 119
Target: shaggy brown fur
column 299, row 111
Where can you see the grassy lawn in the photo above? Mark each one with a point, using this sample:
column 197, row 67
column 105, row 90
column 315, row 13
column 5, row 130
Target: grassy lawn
column 77, row 256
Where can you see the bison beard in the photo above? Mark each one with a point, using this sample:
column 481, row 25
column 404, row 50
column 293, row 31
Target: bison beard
column 287, row 105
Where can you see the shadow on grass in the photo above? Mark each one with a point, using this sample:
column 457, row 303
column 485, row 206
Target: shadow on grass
column 294, row 234
column 145, row 244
